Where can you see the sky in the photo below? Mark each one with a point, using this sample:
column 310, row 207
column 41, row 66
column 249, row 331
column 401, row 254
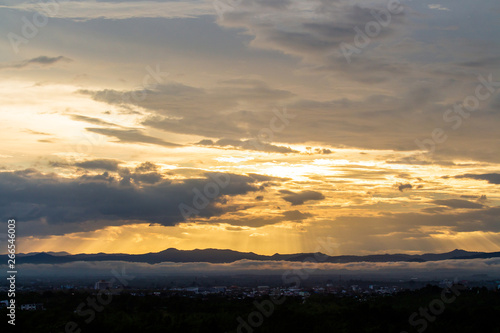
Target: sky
column 266, row 126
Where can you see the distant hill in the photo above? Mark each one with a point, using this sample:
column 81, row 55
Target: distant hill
column 228, row 256
column 62, row 253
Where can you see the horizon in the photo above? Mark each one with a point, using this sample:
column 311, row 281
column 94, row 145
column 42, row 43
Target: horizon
column 283, row 127
column 262, row 254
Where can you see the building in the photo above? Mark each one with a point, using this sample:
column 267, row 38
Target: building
column 32, row 307
column 99, row 285
column 220, row 289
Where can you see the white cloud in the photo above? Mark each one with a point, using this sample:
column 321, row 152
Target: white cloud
column 88, row 10
column 431, row 269
column 437, row 7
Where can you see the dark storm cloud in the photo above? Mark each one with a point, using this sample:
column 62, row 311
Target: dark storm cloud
column 492, row 178
column 458, row 203
column 298, row 198
column 51, row 200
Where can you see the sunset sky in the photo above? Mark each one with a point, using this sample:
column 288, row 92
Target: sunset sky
column 252, row 125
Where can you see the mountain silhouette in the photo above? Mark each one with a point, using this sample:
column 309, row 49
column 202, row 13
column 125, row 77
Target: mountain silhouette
column 229, row 256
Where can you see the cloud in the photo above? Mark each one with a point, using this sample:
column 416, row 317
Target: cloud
column 48, row 200
column 232, row 112
column 146, row 167
column 44, row 60
column 265, row 178
column 218, row 112
column 437, row 7
column 312, row 32
column 420, row 159
column 323, row 151
column 132, row 136
column 239, row 219
column 300, row 198
column 35, row 132
column 458, row 203
column 41, row 60
column 100, row 164
column 429, row 230
column 492, row 178
column 119, row 10
column 92, row 120
column 248, row 145
column 145, row 173
column 402, row 187
column 477, row 197
column 483, row 62
column 306, row 37
column 462, row 269
column 296, row 215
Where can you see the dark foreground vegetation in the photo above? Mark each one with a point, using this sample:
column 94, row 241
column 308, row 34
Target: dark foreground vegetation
column 472, row 310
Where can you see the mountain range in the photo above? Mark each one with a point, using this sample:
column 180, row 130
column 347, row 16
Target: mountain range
column 228, row 256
